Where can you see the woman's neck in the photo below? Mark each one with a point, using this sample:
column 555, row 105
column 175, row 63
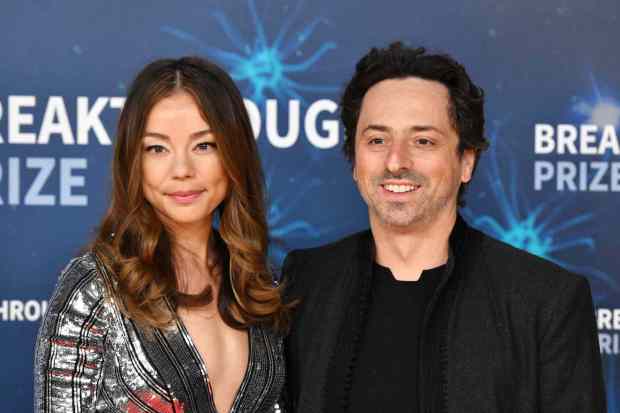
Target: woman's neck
column 194, row 258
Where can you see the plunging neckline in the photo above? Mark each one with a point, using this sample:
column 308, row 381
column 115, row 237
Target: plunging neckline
column 203, row 366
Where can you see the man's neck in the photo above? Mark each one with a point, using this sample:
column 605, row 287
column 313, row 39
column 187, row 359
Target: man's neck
column 409, row 251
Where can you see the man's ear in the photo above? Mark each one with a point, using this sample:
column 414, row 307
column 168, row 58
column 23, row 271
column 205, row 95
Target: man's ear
column 468, row 161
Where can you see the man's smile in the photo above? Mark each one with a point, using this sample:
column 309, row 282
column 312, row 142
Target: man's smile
column 400, row 188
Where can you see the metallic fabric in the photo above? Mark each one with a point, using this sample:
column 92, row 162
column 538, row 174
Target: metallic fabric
column 91, row 358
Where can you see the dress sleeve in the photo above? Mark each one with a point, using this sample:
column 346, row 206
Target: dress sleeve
column 70, row 344
column 571, row 376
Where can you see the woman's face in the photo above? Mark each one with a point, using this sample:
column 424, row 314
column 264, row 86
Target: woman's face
column 182, row 175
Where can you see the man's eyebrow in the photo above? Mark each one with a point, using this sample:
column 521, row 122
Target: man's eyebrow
column 415, row 128
column 374, row 127
column 424, row 128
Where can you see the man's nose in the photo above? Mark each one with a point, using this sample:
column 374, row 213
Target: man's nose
column 398, row 158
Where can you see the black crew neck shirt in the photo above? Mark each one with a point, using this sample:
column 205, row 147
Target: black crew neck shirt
column 385, row 378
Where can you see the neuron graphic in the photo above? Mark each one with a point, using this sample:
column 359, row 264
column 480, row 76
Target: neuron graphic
column 543, row 229
column 282, row 226
column 265, row 66
column 600, row 110
column 279, row 216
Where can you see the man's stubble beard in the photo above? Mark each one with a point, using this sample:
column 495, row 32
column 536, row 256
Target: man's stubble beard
column 404, row 214
column 398, row 214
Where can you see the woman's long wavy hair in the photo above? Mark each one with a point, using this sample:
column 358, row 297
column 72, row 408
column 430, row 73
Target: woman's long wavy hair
column 137, row 248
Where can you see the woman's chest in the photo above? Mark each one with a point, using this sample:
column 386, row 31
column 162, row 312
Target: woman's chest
column 164, row 371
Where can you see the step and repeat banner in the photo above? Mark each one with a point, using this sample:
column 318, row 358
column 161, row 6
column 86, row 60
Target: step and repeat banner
column 549, row 184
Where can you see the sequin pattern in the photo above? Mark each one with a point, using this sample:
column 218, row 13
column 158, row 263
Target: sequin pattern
column 91, row 358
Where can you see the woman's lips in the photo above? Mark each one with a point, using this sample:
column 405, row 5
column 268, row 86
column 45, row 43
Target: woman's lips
column 185, row 197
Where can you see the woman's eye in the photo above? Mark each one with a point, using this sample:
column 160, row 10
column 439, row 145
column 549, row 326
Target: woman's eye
column 155, row 149
column 206, row 146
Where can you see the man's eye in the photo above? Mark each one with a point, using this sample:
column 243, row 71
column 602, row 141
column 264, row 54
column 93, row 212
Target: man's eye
column 206, row 146
column 424, row 142
column 155, row 149
column 376, row 141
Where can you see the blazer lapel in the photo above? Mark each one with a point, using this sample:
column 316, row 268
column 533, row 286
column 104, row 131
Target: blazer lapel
column 317, row 330
column 350, row 329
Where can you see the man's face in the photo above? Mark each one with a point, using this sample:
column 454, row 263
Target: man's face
column 407, row 166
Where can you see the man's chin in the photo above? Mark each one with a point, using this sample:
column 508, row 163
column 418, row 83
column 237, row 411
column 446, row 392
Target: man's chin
column 399, row 223
column 399, row 219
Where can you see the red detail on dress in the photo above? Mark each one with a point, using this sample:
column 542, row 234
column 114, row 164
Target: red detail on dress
column 155, row 402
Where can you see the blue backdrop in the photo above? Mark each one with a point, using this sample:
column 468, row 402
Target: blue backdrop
column 549, row 184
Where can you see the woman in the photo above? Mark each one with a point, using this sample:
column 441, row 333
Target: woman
column 165, row 314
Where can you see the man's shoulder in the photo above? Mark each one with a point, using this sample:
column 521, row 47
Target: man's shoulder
column 332, row 252
column 516, row 269
column 324, row 261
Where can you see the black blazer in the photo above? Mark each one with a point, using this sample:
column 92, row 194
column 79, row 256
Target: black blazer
column 505, row 332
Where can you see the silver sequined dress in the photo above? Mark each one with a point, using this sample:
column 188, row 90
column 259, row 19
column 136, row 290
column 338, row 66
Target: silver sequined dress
column 91, row 358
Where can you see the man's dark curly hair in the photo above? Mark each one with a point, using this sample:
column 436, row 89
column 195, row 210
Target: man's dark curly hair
column 397, row 61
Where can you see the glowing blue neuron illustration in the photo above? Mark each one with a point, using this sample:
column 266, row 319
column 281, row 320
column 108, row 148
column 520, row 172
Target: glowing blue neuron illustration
column 282, row 225
column 600, row 110
column 605, row 112
column 265, row 66
column 524, row 229
column 547, row 230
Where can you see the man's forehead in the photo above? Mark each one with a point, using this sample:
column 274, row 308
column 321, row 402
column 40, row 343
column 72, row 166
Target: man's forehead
column 412, row 102
column 409, row 85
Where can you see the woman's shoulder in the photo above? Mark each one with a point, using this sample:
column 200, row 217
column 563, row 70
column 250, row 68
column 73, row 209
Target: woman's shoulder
column 83, row 283
column 73, row 331
column 83, row 271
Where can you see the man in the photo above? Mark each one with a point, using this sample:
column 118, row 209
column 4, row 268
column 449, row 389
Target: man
column 423, row 313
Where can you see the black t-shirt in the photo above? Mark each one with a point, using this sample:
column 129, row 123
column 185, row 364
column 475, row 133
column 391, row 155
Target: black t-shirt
column 385, row 378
